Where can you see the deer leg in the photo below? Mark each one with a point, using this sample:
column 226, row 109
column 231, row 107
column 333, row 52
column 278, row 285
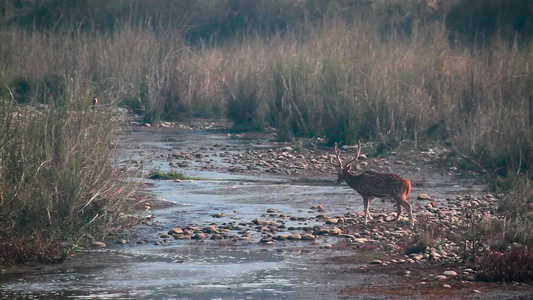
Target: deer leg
column 398, row 211
column 368, row 208
column 408, row 207
column 367, row 201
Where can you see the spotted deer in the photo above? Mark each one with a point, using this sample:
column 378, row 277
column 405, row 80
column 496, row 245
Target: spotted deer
column 370, row 185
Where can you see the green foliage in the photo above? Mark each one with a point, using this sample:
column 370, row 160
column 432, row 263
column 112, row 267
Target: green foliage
column 52, row 90
column 21, row 88
column 170, row 176
column 479, row 21
column 134, row 104
column 244, row 104
column 56, row 179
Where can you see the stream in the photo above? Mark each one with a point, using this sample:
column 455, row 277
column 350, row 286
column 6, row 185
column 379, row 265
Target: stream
column 215, row 269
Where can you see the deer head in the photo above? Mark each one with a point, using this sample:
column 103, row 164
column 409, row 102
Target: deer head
column 342, row 169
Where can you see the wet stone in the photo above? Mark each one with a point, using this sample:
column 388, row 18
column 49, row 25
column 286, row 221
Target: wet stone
column 217, row 237
column 98, row 244
column 258, row 221
column 295, row 236
column 282, row 237
column 335, row 231
column 359, row 241
column 175, row 231
column 332, row 221
column 308, row 237
column 423, row 197
column 199, row 236
column 450, row 273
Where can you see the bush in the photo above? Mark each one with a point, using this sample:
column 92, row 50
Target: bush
column 244, row 104
column 511, row 266
column 22, row 250
column 21, row 88
column 56, row 177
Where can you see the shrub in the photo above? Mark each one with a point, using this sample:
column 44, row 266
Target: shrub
column 21, row 88
column 511, row 266
column 56, row 177
column 22, row 250
column 244, row 104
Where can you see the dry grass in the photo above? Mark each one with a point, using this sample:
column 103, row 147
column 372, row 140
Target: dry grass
column 383, row 75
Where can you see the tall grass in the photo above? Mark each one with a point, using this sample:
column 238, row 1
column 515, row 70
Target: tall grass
column 340, row 80
column 57, row 179
column 386, row 71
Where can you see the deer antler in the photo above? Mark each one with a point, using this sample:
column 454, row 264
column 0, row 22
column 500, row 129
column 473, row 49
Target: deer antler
column 349, row 164
column 337, row 156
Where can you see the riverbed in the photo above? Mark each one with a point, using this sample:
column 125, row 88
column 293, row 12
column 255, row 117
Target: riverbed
column 150, row 264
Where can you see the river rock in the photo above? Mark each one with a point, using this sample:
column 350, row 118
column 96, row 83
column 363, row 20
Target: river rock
column 450, row 273
column 440, row 277
column 335, row 231
column 258, row 221
column 295, row 236
column 98, row 244
column 359, row 241
column 219, row 215
column 332, row 221
column 217, row 237
column 175, row 231
column 423, row 197
column 308, row 237
column 199, row 236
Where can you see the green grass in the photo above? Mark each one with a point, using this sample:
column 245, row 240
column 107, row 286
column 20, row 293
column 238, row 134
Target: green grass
column 172, row 175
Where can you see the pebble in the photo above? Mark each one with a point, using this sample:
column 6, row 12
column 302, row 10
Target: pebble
column 449, row 273
column 376, row 262
column 199, row 236
column 308, row 237
column 359, row 241
column 446, row 286
column 258, row 221
column 175, row 231
column 98, row 244
column 295, row 236
column 440, row 277
column 423, row 197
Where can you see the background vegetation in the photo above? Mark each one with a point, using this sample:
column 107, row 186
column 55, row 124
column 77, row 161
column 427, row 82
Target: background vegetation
column 452, row 70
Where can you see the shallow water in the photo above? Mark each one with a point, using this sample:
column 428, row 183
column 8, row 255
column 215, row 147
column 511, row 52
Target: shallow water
column 188, row 269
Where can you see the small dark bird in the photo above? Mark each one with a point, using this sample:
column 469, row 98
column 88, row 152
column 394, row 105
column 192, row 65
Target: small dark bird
column 95, row 101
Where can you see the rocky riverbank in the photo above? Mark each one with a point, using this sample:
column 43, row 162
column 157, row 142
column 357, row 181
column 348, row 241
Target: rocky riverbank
column 443, row 240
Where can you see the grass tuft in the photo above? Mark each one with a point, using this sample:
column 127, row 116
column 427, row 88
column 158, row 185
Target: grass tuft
column 173, row 175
